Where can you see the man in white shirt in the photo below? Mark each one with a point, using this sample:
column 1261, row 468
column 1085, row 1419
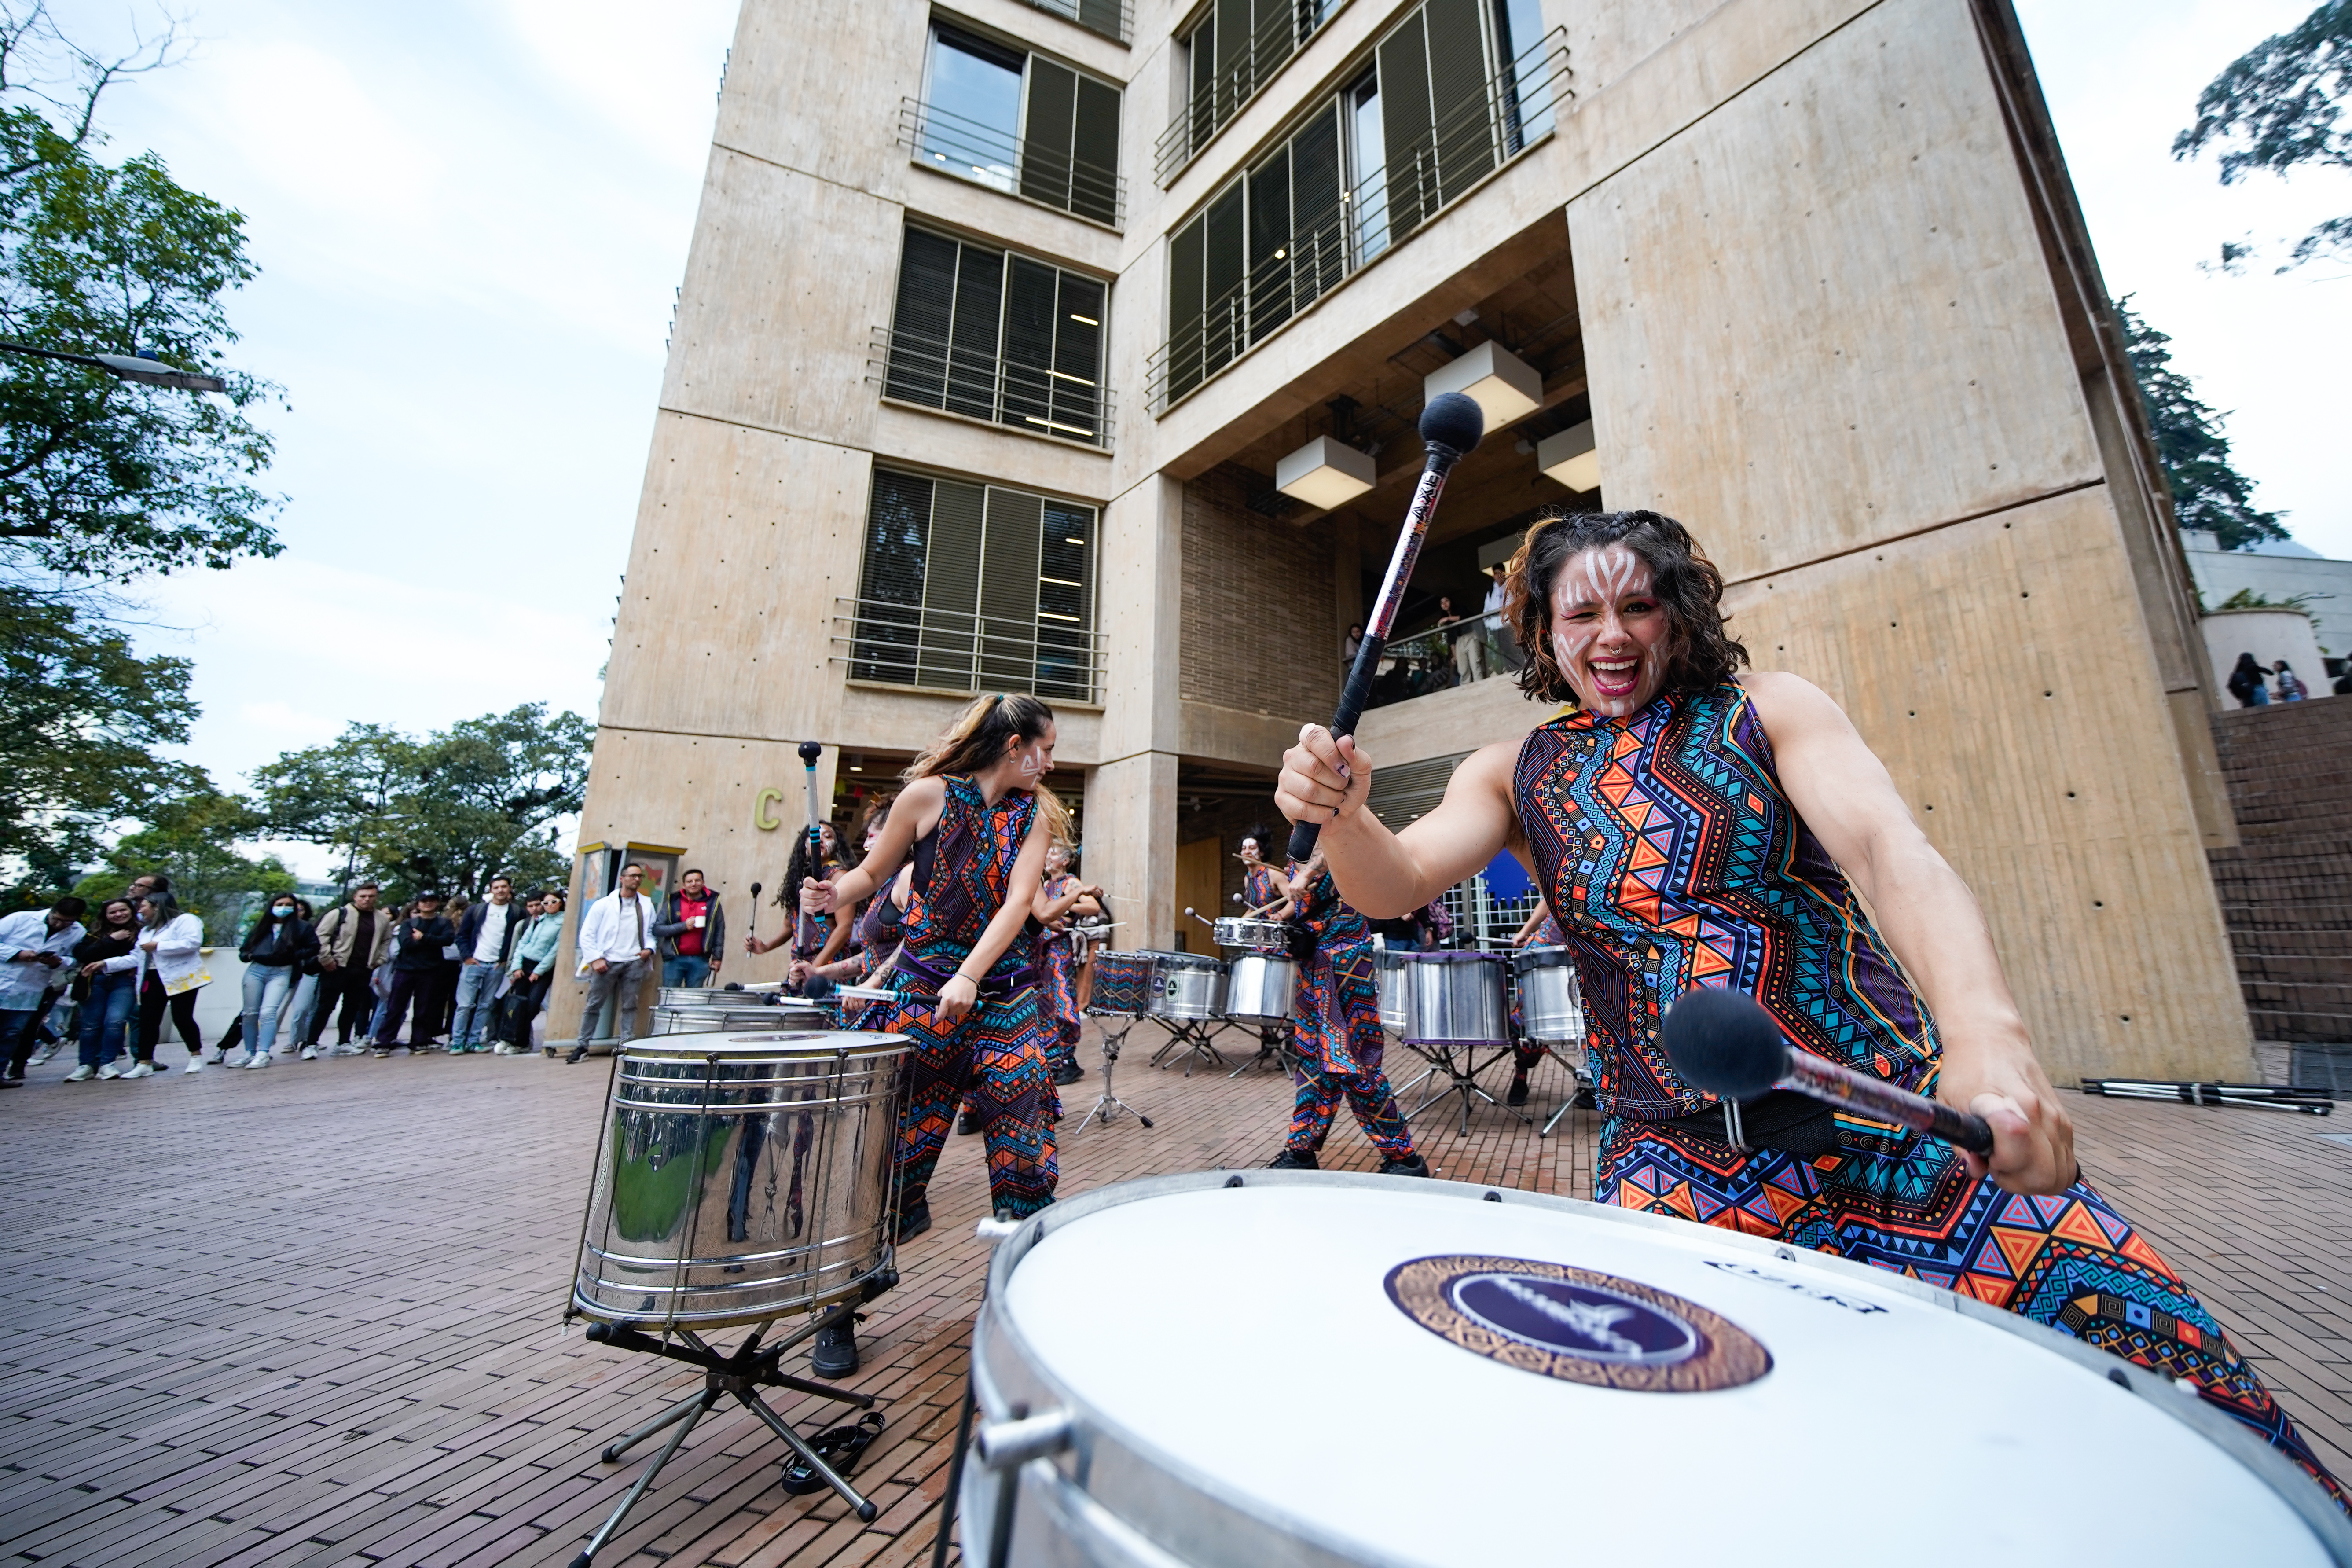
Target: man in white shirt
column 37, row 945
column 484, row 937
column 616, row 951
column 1499, row 661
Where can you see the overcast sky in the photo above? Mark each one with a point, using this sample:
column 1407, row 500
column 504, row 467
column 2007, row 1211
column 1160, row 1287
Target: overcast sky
column 471, row 220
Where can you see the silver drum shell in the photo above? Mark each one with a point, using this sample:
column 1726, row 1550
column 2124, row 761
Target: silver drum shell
column 1389, row 971
column 741, row 1177
column 1261, row 985
column 744, row 1017
column 1456, row 999
column 1187, row 986
column 1551, row 1009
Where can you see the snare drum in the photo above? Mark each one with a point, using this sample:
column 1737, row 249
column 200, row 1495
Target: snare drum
column 1261, row 987
column 740, row 1017
column 1187, row 986
column 1580, row 1343
column 1257, row 936
column 1550, row 1010
column 739, row 1177
column 1122, row 983
column 1388, row 968
column 1455, row 999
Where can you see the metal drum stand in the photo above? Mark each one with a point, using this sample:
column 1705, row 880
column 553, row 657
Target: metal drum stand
column 1107, row 1105
column 1189, row 1039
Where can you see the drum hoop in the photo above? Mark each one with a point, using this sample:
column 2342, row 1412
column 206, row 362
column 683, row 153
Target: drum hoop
column 1549, row 957
column 845, row 1043
column 2301, row 1495
column 1452, row 955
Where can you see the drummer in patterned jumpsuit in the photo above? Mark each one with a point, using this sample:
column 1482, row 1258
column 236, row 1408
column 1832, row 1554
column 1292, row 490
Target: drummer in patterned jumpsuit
column 1262, row 887
column 1338, row 1030
column 977, row 818
column 1061, row 897
column 1694, row 826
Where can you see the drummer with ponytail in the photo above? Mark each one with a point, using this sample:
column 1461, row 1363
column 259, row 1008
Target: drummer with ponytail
column 976, row 819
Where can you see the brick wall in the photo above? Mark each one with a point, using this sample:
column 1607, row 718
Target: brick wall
column 2286, row 891
column 1258, row 627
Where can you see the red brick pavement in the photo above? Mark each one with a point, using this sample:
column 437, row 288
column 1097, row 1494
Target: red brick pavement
column 310, row 1316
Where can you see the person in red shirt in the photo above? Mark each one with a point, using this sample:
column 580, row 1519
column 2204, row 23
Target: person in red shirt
column 692, row 933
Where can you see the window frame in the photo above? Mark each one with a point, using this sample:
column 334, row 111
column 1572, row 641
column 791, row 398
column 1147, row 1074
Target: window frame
column 917, row 125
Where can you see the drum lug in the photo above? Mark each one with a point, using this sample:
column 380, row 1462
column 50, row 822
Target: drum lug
column 1007, row 1444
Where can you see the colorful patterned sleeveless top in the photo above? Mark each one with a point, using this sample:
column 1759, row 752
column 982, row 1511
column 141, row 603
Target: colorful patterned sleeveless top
column 1671, row 856
column 1054, row 885
column 971, row 869
column 1260, row 886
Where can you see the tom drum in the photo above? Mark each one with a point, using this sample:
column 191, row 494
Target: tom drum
column 1122, row 983
column 1580, row 1343
column 1261, row 987
column 1389, row 967
column 1455, row 999
column 1187, row 986
column 1551, row 1011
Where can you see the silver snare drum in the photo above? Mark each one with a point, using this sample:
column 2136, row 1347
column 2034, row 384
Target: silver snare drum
column 1455, row 999
column 1257, row 936
column 1551, row 1011
column 740, row 1017
column 739, row 1177
column 1187, row 985
column 1262, row 987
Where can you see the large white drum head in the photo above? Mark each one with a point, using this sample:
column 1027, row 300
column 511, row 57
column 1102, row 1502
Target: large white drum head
column 1269, row 1343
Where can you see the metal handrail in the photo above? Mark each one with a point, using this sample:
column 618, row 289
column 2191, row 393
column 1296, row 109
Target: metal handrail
column 933, row 372
column 1211, row 109
column 958, row 146
column 1089, row 15
column 1388, row 206
column 962, row 651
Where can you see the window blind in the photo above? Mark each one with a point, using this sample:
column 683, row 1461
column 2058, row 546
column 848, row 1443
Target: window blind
column 997, row 336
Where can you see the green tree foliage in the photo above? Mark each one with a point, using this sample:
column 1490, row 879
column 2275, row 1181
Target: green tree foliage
column 448, row 811
column 101, row 477
column 2278, row 106
column 2208, row 492
column 192, row 837
column 81, row 717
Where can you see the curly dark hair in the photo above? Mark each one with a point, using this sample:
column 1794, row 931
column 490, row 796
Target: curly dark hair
column 1700, row 653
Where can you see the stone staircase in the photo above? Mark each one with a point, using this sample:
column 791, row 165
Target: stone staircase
column 2286, row 891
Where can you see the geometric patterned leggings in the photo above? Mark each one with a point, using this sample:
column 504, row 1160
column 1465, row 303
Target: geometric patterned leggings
column 1337, row 1032
column 1908, row 1204
column 996, row 1055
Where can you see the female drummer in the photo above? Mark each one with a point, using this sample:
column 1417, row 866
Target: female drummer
column 977, row 818
column 1265, row 893
column 1061, row 898
column 1690, row 824
column 1336, row 1028
column 817, row 939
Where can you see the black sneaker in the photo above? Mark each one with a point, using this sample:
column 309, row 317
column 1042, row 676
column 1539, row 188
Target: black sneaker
column 1410, row 1166
column 1517, row 1094
column 11, row 1078
column 914, row 1221
column 967, row 1123
column 575, row 1054
column 835, row 1354
column 1074, row 1073
column 1293, row 1160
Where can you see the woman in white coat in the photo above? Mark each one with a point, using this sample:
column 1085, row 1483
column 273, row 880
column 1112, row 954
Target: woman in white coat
column 170, row 962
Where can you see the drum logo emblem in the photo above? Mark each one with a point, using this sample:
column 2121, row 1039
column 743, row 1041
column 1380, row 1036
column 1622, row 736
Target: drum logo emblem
column 1576, row 1324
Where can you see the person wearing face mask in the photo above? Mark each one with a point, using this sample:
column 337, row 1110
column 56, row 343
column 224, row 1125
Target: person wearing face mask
column 274, row 950
column 1690, row 823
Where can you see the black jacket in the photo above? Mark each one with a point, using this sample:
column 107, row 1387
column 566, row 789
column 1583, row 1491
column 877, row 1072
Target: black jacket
column 421, row 941
column 470, row 929
column 274, row 944
column 672, row 925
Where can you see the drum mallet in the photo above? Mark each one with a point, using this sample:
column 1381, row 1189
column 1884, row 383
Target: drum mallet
column 1450, row 427
column 1726, row 1044
column 810, row 751
column 755, row 911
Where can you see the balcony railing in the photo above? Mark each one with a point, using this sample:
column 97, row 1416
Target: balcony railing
column 1426, row 661
column 1238, row 80
column 955, row 651
column 1114, row 19
column 938, row 139
column 1516, row 109
column 936, row 373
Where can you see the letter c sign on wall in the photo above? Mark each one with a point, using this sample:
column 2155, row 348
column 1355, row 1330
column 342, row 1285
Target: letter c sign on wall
column 763, row 816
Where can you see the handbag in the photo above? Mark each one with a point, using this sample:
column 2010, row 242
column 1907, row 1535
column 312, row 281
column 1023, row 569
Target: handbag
column 197, row 976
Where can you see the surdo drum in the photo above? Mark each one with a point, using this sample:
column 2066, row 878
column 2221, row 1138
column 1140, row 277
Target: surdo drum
column 739, row 1177
column 1455, row 999
column 1187, row 986
column 1261, row 987
column 1664, row 1393
column 1551, row 1011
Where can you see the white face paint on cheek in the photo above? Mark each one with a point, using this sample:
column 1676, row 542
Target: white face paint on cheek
column 1601, row 578
column 1029, row 765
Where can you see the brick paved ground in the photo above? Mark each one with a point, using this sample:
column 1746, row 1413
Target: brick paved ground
column 310, row 1315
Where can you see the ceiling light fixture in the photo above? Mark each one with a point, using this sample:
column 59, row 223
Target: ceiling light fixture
column 1570, row 458
column 1325, row 473
column 1505, row 386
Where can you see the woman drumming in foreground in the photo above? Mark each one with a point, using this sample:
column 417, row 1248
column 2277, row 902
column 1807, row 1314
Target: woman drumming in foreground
column 1690, row 824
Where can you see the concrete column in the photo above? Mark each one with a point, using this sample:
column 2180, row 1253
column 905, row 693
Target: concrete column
column 1131, row 844
column 1131, row 795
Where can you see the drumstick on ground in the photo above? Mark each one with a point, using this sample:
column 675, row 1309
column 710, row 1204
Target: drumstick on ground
column 1725, row 1042
column 1451, row 426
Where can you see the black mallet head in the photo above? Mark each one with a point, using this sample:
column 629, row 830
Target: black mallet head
column 810, row 751
column 1723, row 1043
column 1454, row 421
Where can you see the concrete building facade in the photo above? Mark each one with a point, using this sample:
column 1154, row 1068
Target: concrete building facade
column 999, row 321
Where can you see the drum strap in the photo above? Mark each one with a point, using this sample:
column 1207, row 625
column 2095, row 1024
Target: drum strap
column 1783, row 1120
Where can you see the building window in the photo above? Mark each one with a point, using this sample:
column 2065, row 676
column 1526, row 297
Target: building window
column 1447, row 97
column 996, row 335
column 973, row 588
column 1234, row 49
column 1017, row 123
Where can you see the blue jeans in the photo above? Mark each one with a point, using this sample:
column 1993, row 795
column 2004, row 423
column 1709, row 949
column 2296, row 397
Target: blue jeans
column 686, row 969
column 299, row 1010
column 266, row 988
column 478, row 990
column 105, row 1020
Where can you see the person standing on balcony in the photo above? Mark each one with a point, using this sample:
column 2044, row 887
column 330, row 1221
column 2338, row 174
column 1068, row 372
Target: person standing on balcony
column 1496, row 635
column 1468, row 642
